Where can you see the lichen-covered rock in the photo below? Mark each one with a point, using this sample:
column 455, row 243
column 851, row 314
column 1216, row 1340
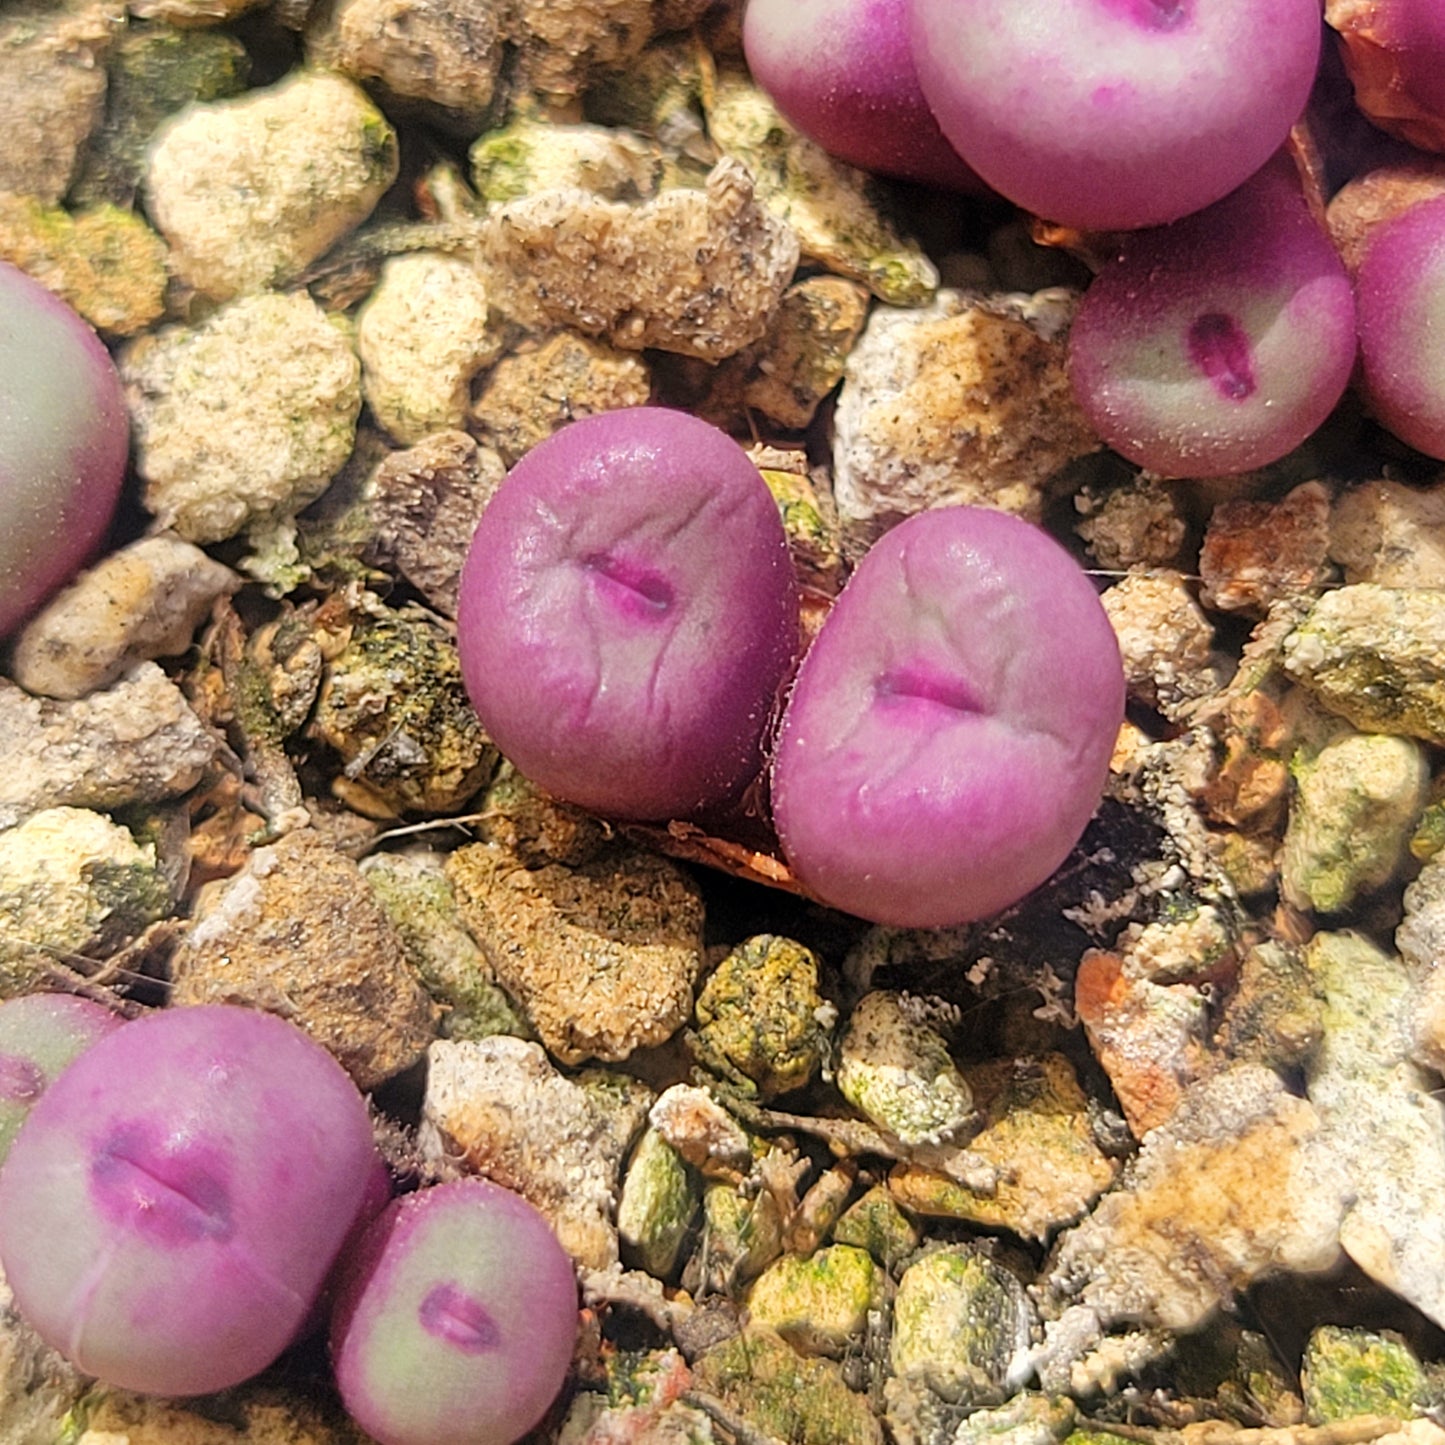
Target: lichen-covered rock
column 1369, row 654
column 299, row 933
column 249, row 191
column 105, row 263
column 1346, row 1373
column 642, row 1404
column 1028, row 1419
column 499, row 1107
column 820, row 1304
column 1043, row 1165
column 1355, row 804
column 137, row 742
column 137, row 604
column 694, row 271
column 760, row 1016
column 393, row 706
column 876, row 1223
column 52, row 93
column 1384, row 1122
column 413, row 891
column 152, row 72
column 424, row 505
column 810, row 523
column 537, row 828
column 1149, row 1037
column 542, row 385
column 244, row 418
column 1240, row 1183
column 1274, row 1014
column 788, row 373
column 895, row 1068
column 963, row 401
column 528, row 156
column 961, row 1329
column 422, row 335
column 1390, row 534
column 1165, row 640
column 1257, row 552
column 660, row 1195
column 742, row 1233
column 601, row 957
column 784, row 1396
column 837, row 220
column 74, row 887
column 440, row 51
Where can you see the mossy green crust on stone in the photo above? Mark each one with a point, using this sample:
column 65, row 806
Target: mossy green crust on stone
column 820, row 1304
column 1350, row 1372
column 877, row 1224
column 784, row 1396
column 760, row 1016
column 659, row 1199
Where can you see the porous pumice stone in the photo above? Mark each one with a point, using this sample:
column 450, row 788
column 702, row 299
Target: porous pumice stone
column 171, row 1206
column 628, row 612
column 456, row 1318
column 63, row 444
column 949, row 733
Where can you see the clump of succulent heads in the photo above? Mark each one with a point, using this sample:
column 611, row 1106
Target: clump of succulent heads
column 456, row 1318
column 170, row 1208
column 64, row 440
column 948, row 734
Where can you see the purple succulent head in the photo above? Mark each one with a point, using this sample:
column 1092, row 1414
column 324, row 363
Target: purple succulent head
column 171, row 1206
column 628, row 613
column 64, row 438
column 464, row 1287
column 950, row 729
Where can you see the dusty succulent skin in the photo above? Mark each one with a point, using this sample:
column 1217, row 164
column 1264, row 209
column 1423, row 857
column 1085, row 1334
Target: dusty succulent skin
column 628, row 612
column 1218, row 343
column 1116, row 114
column 462, row 1286
column 949, row 732
column 170, row 1209
column 63, row 443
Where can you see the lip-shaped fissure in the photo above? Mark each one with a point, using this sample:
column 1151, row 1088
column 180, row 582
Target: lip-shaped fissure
column 1152, row 14
column 914, row 684
column 169, row 1195
column 21, row 1081
column 1220, row 349
column 632, row 586
column 452, row 1314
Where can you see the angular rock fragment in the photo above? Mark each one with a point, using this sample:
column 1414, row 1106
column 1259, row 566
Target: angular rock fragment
column 136, row 742
column 425, row 504
column 601, row 957
column 1371, row 654
column 1256, row 552
column 820, row 1304
column 137, row 604
column 498, row 1106
column 250, row 191
column 1384, row 1125
column 528, row 156
column 1390, row 534
column 244, row 418
column 422, row 335
column 660, row 1195
column 964, row 400
column 74, row 886
column 1241, row 1182
column 298, row 932
column 838, row 222
column 694, row 271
